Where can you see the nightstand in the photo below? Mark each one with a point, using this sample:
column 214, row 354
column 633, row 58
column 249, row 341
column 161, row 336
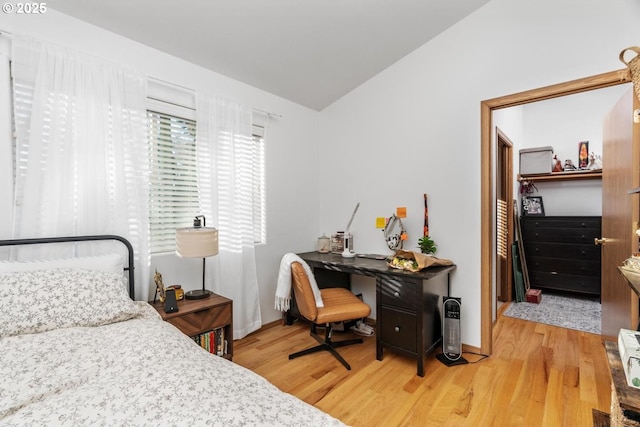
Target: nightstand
column 209, row 321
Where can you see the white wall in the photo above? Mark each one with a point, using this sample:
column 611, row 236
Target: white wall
column 562, row 123
column 412, row 129
column 291, row 167
column 415, row 127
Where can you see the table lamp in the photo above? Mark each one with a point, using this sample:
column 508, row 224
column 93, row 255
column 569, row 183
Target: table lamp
column 197, row 242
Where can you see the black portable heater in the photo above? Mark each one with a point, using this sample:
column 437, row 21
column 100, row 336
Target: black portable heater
column 451, row 341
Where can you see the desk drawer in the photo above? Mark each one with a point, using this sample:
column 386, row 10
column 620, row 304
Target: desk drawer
column 398, row 329
column 391, row 291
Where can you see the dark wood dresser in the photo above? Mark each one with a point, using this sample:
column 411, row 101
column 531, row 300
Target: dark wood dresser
column 561, row 254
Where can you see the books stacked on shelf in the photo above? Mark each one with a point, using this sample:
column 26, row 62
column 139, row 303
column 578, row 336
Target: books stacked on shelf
column 213, row 341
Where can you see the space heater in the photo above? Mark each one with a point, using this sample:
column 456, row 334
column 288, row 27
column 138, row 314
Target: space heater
column 451, row 338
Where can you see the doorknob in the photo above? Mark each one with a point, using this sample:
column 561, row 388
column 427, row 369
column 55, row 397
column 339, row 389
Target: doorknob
column 600, row 241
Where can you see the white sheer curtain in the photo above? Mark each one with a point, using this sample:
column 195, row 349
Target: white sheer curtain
column 6, row 139
column 81, row 149
column 225, row 174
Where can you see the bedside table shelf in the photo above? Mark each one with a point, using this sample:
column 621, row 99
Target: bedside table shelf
column 197, row 318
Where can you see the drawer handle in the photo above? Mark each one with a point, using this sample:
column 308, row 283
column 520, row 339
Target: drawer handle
column 397, row 329
column 396, row 294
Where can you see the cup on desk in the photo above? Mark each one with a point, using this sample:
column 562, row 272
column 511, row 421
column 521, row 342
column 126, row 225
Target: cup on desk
column 324, row 244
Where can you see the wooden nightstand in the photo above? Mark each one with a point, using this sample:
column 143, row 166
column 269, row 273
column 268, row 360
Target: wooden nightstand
column 197, row 318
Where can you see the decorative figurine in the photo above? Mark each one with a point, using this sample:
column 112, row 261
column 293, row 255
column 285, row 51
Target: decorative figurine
column 157, row 278
column 569, row 166
column 595, row 163
column 557, row 166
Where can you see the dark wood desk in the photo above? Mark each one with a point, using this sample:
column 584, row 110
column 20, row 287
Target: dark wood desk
column 408, row 305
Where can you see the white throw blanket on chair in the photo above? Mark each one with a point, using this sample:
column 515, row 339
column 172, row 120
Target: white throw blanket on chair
column 283, row 289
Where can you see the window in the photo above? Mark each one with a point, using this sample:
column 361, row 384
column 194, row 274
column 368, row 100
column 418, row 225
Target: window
column 174, row 199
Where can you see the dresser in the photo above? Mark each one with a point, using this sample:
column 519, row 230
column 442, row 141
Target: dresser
column 560, row 252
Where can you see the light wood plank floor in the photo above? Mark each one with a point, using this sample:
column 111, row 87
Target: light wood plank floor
column 539, row 375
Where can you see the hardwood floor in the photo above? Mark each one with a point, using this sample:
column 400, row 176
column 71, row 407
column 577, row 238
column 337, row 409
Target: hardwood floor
column 539, row 375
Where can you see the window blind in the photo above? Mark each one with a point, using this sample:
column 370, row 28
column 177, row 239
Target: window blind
column 174, row 191
column 501, row 219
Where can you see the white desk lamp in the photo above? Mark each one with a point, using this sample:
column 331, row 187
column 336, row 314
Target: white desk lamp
column 197, row 242
column 346, row 253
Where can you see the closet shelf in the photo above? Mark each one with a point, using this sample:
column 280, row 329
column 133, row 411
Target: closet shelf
column 561, row 176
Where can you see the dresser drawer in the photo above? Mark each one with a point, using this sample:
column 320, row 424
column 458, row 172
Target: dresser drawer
column 561, row 235
column 565, row 282
column 562, row 222
column 398, row 329
column 392, row 292
column 564, row 266
column 586, row 252
column 203, row 320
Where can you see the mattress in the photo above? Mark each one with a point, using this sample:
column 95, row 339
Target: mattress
column 135, row 372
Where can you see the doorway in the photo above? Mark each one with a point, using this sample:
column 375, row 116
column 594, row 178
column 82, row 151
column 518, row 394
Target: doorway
column 488, row 212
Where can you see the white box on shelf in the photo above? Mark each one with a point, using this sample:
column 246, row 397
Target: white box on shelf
column 536, row 160
column 629, row 348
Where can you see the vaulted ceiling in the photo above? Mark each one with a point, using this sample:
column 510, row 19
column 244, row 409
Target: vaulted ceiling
column 311, row 52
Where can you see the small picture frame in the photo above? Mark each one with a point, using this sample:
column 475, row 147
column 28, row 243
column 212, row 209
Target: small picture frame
column 583, row 155
column 532, row 206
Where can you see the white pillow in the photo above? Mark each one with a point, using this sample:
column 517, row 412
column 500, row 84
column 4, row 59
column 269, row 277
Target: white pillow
column 42, row 300
column 110, row 263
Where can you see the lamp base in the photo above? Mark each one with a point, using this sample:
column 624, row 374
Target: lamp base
column 197, row 294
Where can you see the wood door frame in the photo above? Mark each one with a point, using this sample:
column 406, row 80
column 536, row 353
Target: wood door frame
column 504, row 143
column 487, row 201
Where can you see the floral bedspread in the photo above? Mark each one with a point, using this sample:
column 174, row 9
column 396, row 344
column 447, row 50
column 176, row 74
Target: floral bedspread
column 137, row 372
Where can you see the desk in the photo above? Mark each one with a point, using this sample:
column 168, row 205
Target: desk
column 408, row 305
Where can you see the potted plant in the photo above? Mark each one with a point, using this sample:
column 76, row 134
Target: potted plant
column 427, row 245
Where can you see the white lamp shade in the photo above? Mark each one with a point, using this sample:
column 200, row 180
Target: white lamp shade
column 196, row 242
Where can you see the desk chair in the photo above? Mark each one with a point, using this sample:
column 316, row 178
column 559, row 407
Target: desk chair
column 339, row 305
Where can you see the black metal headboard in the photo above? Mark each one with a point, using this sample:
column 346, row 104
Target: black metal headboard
column 129, row 267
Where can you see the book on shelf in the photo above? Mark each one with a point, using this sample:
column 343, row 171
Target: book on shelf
column 213, row 341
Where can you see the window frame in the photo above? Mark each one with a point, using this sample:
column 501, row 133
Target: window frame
column 161, row 102
column 163, row 244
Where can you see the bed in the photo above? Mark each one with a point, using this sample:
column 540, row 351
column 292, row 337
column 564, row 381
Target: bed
column 77, row 350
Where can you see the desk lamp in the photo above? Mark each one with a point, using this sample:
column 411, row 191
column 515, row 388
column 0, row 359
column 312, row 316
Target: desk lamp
column 197, row 242
column 347, row 253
